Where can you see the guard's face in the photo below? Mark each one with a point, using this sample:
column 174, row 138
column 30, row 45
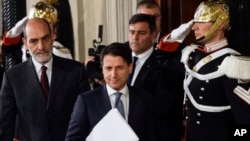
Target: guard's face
column 115, row 71
column 140, row 37
column 200, row 29
column 39, row 42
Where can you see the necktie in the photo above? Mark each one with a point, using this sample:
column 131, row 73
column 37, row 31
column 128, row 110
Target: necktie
column 133, row 70
column 44, row 81
column 119, row 104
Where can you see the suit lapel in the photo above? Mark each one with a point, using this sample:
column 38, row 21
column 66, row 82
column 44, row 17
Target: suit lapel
column 134, row 105
column 57, row 78
column 103, row 104
column 146, row 66
column 31, row 77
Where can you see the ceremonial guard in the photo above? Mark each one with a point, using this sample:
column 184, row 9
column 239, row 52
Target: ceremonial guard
column 217, row 78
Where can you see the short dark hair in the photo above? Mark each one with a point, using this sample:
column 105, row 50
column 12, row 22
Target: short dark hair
column 148, row 4
column 144, row 18
column 117, row 49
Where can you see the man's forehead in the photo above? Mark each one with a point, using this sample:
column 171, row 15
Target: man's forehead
column 33, row 36
column 139, row 27
column 151, row 11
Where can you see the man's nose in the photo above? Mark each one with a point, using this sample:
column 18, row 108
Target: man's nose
column 136, row 36
column 113, row 73
column 40, row 45
column 194, row 27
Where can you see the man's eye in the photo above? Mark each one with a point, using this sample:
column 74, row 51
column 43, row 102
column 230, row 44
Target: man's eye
column 46, row 38
column 142, row 33
column 33, row 41
column 108, row 68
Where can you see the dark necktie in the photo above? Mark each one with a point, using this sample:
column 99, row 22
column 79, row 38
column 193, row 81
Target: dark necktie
column 119, row 104
column 133, row 70
column 44, row 81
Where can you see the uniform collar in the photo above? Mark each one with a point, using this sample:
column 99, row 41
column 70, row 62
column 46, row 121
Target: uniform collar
column 215, row 46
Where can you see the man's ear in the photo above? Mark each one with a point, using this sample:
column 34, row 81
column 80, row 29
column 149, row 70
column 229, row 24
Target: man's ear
column 53, row 31
column 222, row 26
column 130, row 68
column 54, row 36
column 154, row 35
column 24, row 41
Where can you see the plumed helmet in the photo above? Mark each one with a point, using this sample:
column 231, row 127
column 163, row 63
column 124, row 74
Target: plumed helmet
column 45, row 10
column 212, row 11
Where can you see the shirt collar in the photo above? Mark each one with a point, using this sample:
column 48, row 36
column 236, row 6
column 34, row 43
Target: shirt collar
column 111, row 91
column 144, row 56
column 38, row 65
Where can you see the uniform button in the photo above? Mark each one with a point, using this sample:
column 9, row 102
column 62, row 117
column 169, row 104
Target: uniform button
column 202, row 88
column 186, row 117
column 200, row 97
column 198, row 114
column 190, row 58
column 198, row 122
column 207, row 81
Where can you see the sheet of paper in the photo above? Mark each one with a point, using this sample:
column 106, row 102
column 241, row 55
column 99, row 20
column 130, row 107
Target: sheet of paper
column 112, row 127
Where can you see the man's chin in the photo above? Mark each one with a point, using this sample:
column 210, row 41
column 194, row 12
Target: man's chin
column 43, row 58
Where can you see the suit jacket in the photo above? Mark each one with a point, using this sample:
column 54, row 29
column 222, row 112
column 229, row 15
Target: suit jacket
column 92, row 106
column 40, row 119
column 166, row 88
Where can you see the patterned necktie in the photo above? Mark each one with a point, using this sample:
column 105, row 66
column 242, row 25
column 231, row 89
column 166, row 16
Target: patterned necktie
column 133, row 70
column 44, row 81
column 119, row 104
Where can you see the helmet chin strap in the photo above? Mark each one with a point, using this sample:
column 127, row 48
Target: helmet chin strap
column 200, row 39
column 204, row 39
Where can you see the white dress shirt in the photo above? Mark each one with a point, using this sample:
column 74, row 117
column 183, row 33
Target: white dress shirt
column 39, row 71
column 124, row 98
column 139, row 63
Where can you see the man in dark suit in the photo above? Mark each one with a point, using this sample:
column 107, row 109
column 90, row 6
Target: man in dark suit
column 92, row 106
column 157, row 79
column 42, row 117
column 168, row 46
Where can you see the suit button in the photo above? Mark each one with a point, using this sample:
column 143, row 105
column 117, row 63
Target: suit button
column 198, row 122
column 198, row 114
column 202, row 89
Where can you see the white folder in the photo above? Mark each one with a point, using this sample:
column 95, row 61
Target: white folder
column 112, row 127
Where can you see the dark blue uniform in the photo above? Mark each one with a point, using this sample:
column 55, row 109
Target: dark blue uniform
column 213, row 108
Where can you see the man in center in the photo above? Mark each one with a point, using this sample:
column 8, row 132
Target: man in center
column 92, row 106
